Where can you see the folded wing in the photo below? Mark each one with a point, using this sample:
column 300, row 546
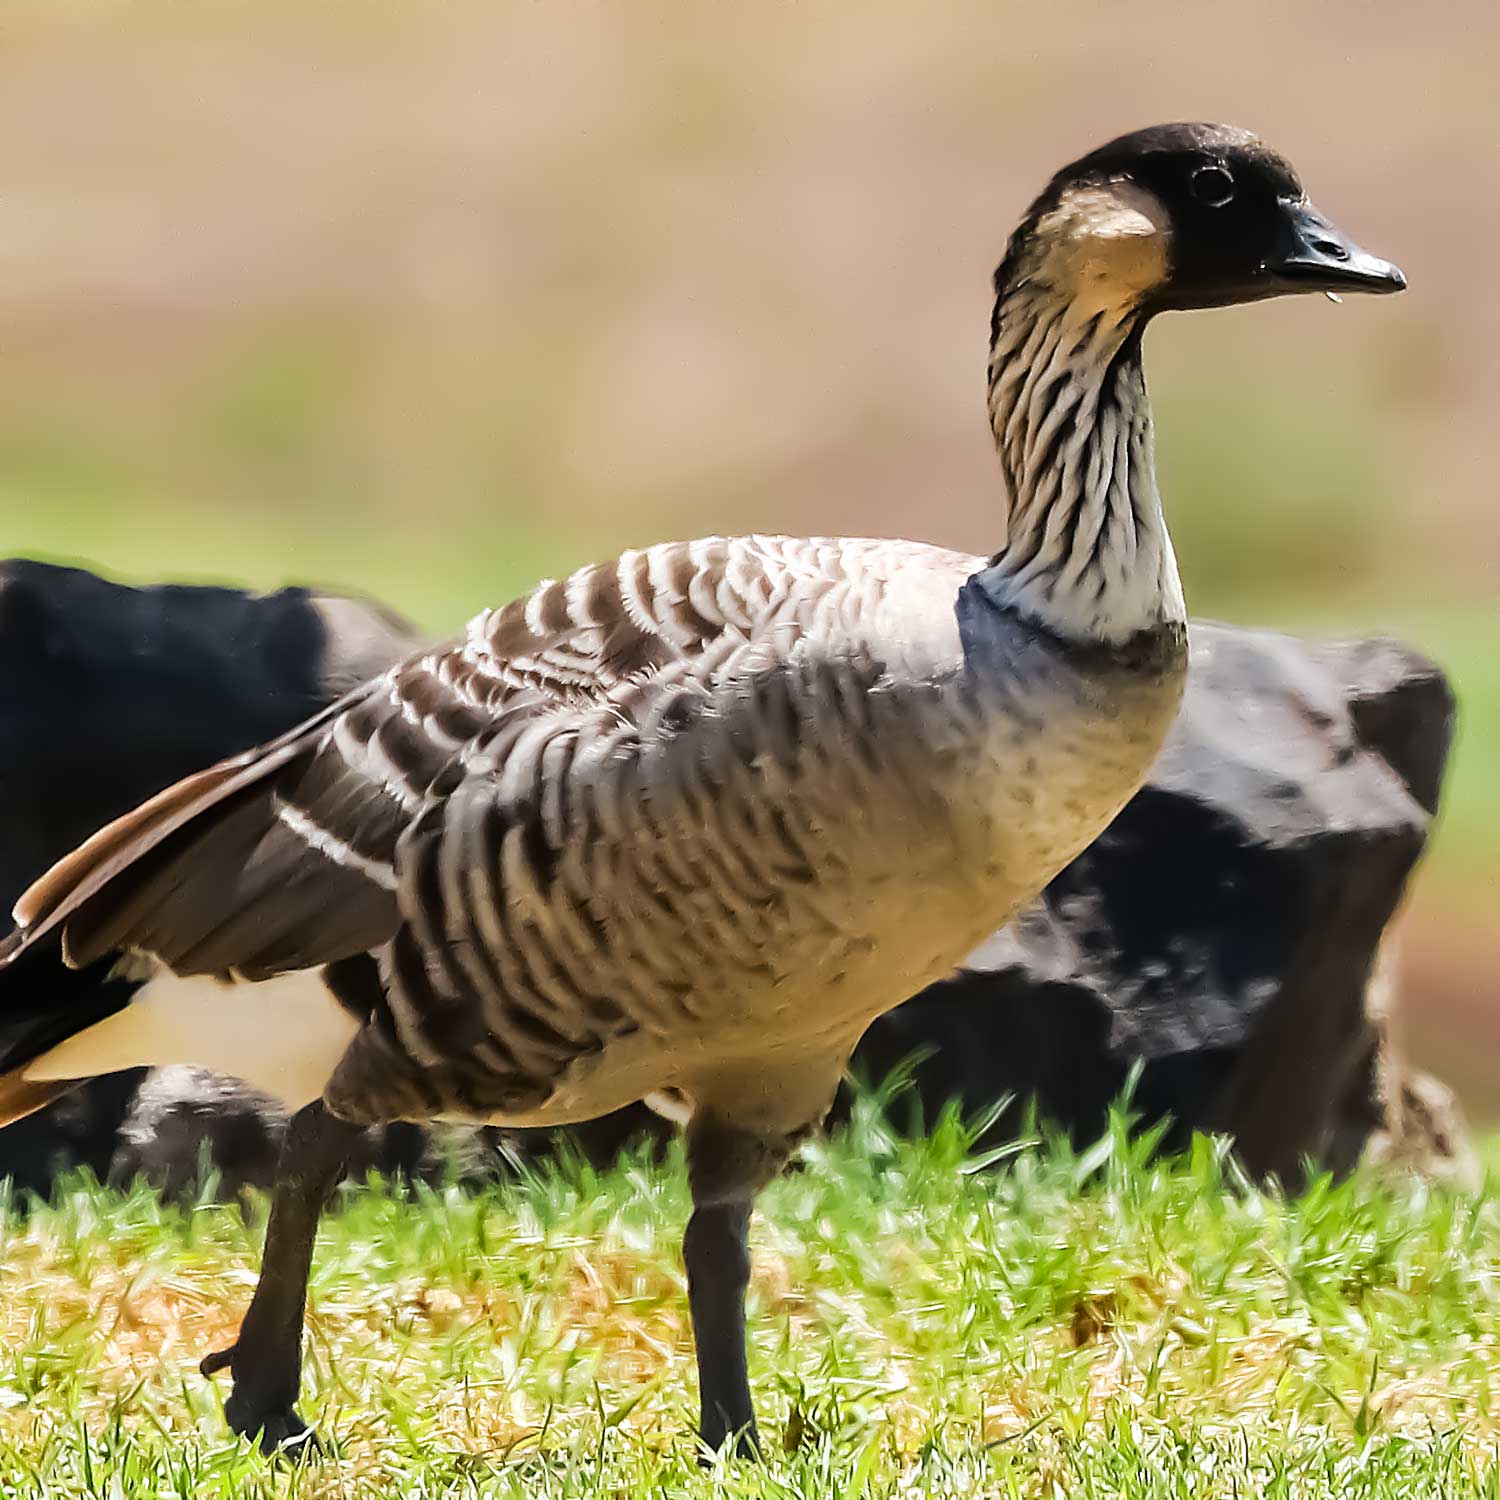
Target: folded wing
column 286, row 857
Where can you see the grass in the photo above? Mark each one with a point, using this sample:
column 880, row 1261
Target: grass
column 1079, row 1323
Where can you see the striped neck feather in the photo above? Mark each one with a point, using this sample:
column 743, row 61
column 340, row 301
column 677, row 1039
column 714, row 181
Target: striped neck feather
column 1086, row 549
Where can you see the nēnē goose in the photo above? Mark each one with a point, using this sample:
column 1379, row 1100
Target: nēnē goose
column 679, row 826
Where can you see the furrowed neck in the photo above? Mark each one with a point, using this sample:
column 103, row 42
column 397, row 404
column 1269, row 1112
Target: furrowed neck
column 1086, row 550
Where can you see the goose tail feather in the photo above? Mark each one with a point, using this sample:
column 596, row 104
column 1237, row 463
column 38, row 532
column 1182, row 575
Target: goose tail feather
column 20, row 1097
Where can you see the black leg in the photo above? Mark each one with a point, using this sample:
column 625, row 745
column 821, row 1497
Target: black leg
column 716, row 1248
column 727, row 1167
column 266, row 1359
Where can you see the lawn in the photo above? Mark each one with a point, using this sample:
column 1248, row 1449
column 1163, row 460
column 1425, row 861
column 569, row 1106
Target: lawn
column 1064, row 1323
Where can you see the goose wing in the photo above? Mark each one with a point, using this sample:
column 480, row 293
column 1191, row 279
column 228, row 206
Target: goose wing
column 286, row 857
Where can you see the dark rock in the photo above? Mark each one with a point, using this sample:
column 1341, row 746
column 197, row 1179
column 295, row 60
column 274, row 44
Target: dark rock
column 181, row 1119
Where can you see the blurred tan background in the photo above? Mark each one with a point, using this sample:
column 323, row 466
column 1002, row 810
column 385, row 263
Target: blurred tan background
column 430, row 300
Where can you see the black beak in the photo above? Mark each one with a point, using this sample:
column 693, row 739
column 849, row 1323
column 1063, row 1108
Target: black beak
column 1313, row 256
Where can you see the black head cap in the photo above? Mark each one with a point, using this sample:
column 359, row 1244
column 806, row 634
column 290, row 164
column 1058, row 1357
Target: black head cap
column 1236, row 221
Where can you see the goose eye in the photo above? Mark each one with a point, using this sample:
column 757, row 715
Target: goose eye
column 1212, row 185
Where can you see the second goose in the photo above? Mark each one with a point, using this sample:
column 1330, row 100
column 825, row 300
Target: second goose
column 679, row 826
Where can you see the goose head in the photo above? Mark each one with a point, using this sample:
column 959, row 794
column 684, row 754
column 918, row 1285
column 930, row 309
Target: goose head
column 1177, row 216
column 1182, row 216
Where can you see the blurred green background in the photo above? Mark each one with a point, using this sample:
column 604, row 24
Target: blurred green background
column 427, row 301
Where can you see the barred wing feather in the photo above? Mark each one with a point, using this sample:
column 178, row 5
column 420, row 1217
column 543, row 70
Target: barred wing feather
column 287, row 857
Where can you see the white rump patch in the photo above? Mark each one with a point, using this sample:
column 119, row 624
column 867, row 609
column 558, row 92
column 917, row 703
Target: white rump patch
column 283, row 1036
